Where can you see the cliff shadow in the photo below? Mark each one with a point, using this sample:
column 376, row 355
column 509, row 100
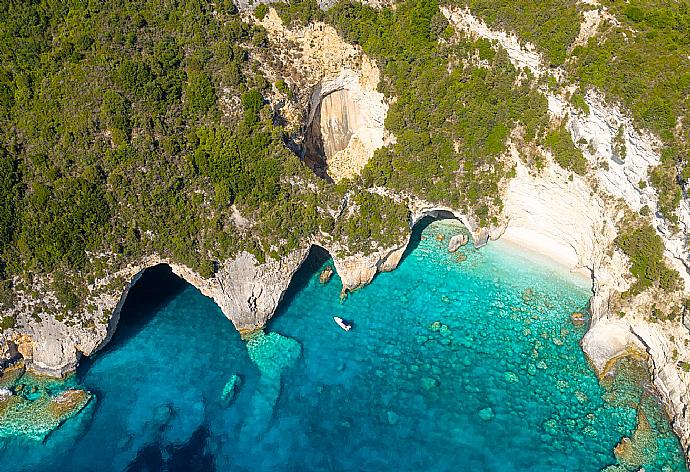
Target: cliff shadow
column 314, row 153
column 420, row 226
column 190, row 456
column 156, row 287
column 315, row 260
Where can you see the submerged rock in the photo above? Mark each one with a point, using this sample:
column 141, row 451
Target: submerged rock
column 511, row 377
column 272, row 354
column 428, row 383
column 527, row 295
column 578, row 319
column 35, row 419
column 487, row 414
column 11, row 375
column 457, row 241
column 638, row 450
column 392, row 417
column 230, row 388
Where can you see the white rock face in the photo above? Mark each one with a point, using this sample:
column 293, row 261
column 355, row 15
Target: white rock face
column 548, row 207
column 358, row 270
column 247, row 292
column 520, row 55
column 457, row 241
column 345, row 112
column 350, row 121
column 580, row 216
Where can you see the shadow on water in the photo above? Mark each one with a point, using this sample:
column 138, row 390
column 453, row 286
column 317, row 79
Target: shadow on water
column 157, row 287
column 188, row 457
column 416, row 236
column 316, row 258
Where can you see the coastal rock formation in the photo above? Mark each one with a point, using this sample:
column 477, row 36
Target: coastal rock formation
column 345, row 113
column 337, row 121
column 246, row 291
column 457, row 241
column 246, row 5
column 359, row 269
column 575, row 220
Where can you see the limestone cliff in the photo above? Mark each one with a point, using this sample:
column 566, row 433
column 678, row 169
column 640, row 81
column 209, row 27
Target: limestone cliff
column 359, row 269
column 337, row 120
column 338, row 113
column 247, row 292
column 576, row 217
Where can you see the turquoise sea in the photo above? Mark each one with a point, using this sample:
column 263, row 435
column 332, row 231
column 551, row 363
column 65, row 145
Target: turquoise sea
column 452, row 365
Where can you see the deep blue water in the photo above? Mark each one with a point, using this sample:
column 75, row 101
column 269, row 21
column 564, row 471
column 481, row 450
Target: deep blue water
column 451, row 365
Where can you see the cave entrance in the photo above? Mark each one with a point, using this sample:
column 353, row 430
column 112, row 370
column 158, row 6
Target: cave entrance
column 151, row 290
column 317, row 259
column 422, row 223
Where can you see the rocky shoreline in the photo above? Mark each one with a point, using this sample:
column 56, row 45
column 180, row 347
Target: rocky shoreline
column 580, row 215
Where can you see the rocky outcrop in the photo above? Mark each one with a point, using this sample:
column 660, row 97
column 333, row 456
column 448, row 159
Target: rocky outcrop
column 359, row 269
column 344, row 119
column 457, row 241
column 576, row 218
column 247, row 5
column 246, row 291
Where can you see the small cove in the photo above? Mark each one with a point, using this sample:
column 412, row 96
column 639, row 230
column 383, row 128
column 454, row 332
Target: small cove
column 452, row 365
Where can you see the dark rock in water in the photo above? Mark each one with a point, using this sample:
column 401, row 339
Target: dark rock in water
column 230, row 389
column 326, row 274
column 457, row 241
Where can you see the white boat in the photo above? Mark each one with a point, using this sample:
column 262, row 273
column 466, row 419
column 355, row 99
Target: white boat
column 342, row 323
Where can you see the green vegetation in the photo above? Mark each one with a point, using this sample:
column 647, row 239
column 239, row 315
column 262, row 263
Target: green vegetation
column 114, row 144
column 451, row 123
column 564, row 151
column 377, row 215
column 579, row 101
column 261, row 11
column 7, row 322
column 645, row 249
column 619, row 149
column 117, row 140
column 552, row 25
column 643, row 63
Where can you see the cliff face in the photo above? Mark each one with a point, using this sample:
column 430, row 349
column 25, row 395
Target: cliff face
column 338, row 111
column 339, row 116
column 578, row 217
column 247, row 292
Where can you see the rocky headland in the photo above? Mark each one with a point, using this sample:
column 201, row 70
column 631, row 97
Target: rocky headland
column 338, row 125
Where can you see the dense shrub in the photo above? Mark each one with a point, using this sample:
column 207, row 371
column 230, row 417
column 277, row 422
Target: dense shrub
column 645, row 249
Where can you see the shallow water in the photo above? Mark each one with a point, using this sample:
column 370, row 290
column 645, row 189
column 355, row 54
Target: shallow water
column 471, row 365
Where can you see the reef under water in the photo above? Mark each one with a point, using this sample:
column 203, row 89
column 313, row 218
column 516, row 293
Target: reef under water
column 456, row 361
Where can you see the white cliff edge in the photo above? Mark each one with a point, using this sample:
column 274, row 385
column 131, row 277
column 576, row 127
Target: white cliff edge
column 579, row 215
